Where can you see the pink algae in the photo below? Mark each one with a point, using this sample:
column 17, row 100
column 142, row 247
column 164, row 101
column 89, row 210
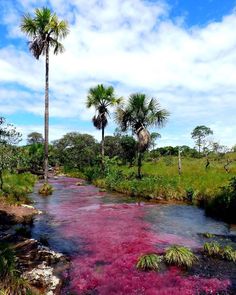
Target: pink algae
column 114, row 236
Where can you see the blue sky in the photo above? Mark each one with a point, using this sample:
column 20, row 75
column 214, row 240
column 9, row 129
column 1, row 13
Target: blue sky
column 182, row 52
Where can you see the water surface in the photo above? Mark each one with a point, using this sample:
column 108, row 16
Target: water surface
column 104, row 234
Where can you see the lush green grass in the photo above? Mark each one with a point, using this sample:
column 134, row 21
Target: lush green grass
column 161, row 179
column 17, row 187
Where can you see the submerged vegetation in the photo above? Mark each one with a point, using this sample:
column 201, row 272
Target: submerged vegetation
column 180, row 256
column 46, row 189
column 149, row 262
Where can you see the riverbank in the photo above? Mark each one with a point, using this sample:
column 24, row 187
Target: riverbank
column 38, row 268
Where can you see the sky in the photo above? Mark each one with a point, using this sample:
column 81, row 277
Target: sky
column 182, row 52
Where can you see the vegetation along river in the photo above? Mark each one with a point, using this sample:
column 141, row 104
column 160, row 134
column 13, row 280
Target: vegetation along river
column 104, row 234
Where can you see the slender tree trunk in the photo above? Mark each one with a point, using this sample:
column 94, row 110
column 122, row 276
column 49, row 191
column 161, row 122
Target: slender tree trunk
column 1, row 180
column 102, row 147
column 139, row 165
column 46, row 117
column 179, row 163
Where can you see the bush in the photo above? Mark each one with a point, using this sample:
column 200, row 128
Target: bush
column 224, row 204
column 149, row 262
column 17, row 187
column 180, row 256
column 212, row 249
column 228, row 253
column 10, row 281
column 46, row 189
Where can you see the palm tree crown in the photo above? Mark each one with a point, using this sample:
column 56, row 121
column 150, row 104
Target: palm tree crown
column 140, row 113
column 101, row 98
column 45, row 30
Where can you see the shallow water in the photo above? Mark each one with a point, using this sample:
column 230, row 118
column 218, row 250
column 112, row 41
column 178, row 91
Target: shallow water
column 104, row 234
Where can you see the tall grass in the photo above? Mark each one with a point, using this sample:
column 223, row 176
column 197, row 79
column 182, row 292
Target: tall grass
column 17, row 187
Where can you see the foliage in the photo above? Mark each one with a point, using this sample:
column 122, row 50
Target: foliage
column 34, row 138
column 45, row 30
column 199, row 134
column 149, row 262
column 224, row 204
column 212, row 249
column 208, row 235
column 46, row 189
column 76, row 151
column 10, row 281
column 17, row 187
column 228, row 253
column 180, row 256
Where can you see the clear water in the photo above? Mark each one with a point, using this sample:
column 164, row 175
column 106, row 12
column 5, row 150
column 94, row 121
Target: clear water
column 104, row 234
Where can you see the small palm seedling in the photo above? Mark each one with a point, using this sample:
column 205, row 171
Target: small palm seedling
column 212, row 249
column 46, row 189
column 149, row 262
column 180, row 256
column 228, row 253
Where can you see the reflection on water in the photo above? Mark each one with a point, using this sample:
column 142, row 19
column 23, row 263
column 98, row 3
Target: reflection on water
column 105, row 234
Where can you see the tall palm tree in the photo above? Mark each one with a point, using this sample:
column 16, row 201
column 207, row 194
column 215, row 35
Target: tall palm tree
column 45, row 31
column 140, row 113
column 101, row 98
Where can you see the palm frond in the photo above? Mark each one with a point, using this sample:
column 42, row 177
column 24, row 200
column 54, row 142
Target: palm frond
column 46, row 30
column 28, row 25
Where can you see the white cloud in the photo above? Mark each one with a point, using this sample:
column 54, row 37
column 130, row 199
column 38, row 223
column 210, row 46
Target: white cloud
column 136, row 45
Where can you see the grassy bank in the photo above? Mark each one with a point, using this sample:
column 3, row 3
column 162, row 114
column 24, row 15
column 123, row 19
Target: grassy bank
column 161, row 181
column 16, row 188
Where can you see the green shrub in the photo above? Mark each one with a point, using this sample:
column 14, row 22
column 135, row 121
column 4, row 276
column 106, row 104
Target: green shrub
column 228, row 253
column 208, row 235
column 180, row 256
column 10, row 281
column 224, row 204
column 149, row 262
column 17, row 187
column 212, row 249
column 92, row 173
column 46, row 189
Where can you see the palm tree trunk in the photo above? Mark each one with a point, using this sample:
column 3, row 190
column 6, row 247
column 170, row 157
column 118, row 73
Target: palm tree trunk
column 46, row 117
column 139, row 165
column 102, row 146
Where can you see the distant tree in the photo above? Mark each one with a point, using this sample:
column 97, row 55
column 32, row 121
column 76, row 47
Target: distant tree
column 8, row 138
column 45, row 31
column 112, row 146
column 75, row 150
column 199, row 135
column 128, row 145
column 234, row 148
column 101, row 98
column 140, row 113
column 35, row 137
column 154, row 136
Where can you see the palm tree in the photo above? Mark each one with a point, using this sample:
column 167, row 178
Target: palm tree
column 45, row 31
column 139, row 114
column 101, row 98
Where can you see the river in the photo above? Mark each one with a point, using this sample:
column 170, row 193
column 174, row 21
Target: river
column 104, row 234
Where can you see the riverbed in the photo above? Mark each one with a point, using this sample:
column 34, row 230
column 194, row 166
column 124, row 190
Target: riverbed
column 104, row 234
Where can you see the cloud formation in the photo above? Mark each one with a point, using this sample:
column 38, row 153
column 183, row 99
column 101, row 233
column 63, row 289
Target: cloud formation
column 135, row 46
